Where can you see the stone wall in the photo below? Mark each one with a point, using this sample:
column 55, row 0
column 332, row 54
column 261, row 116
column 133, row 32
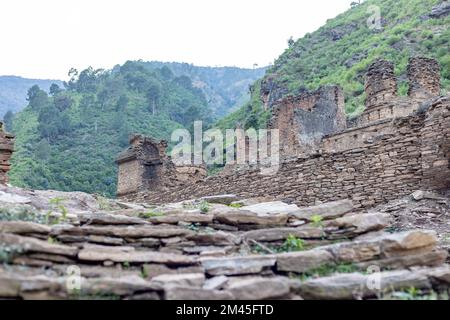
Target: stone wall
column 6, row 150
column 303, row 120
column 407, row 154
column 381, row 84
column 424, row 78
column 146, row 166
column 398, row 145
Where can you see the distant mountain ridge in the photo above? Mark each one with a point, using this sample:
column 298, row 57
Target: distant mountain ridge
column 225, row 88
column 13, row 92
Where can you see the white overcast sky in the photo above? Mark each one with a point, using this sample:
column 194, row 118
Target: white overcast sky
column 45, row 38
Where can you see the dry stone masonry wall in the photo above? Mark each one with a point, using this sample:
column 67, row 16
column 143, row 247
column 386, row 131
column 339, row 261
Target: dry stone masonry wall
column 6, row 150
column 398, row 145
column 237, row 249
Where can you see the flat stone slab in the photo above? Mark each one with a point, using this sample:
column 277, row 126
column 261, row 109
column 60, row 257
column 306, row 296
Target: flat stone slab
column 184, row 217
column 110, row 219
column 195, row 280
column 100, row 255
column 122, row 286
column 237, row 265
column 23, row 227
column 356, row 285
column 215, row 283
column 240, row 217
column 27, row 244
column 274, row 207
column 218, row 238
column 187, row 293
column 13, row 198
column 303, row 261
column 144, row 231
column 281, row 234
column 327, row 211
column 259, row 289
column 357, row 224
column 221, row 199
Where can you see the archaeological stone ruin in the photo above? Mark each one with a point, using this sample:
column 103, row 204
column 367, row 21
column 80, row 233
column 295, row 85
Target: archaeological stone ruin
column 358, row 209
column 397, row 145
column 6, row 150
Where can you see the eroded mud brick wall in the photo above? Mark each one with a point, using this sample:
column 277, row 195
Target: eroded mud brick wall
column 6, row 150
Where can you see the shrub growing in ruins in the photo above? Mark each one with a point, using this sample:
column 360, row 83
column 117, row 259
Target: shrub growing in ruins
column 316, row 221
column 292, row 243
column 204, row 206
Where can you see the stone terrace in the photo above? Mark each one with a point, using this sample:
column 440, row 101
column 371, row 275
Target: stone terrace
column 220, row 247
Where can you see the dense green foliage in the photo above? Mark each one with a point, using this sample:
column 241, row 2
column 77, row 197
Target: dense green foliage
column 341, row 50
column 68, row 140
column 13, row 92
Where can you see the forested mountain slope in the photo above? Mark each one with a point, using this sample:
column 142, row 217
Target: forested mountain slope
column 340, row 51
column 13, row 92
column 225, row 88
column 68, row 140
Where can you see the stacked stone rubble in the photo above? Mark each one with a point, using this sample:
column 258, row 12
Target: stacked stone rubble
column 400, row 144
column 6, row 150
column 381, row 84
column 230, row 251
column 424, row 78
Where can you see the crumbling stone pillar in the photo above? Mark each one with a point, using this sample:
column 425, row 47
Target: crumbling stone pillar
column 424, row 78
column 6, row 150
column 381, row 84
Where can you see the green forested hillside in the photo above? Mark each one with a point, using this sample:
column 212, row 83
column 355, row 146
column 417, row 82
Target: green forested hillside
column 225, row 88
column 68, row 140
column 341, row 50
column 13, row 92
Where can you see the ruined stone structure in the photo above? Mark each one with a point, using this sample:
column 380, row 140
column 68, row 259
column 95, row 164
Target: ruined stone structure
column 381, row 89
column 398, row 145
column 145, row 166
column 6, row 150
column 305, row 119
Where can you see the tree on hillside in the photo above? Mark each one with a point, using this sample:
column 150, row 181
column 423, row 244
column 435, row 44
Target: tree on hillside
column 37, row 98
column 102, row 98
column 166, row 73
column 8, row 121
column 153, row 95
column 54, row 89
column 122, row 103
column 52, row 122
column 42, row 150
column 291, row 42
column 62, row 102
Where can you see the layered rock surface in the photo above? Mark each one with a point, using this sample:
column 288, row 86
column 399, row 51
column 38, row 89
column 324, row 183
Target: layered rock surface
column 81, row 247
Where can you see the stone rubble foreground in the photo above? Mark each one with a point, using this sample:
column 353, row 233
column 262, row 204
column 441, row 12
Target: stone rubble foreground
column 223, row 247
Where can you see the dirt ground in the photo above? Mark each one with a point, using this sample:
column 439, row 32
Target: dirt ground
column 421, row 210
